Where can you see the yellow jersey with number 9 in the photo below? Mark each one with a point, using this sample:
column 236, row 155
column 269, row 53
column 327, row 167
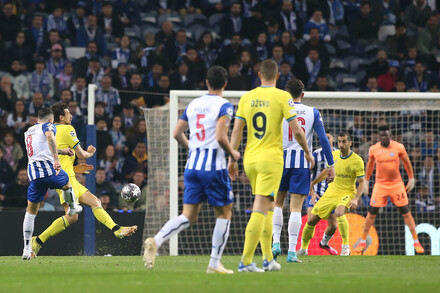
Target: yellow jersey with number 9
column 263, row 110
column 66, row 138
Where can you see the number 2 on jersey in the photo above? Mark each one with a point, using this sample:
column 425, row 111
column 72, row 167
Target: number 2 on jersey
column 302, row 121
column 29, row 147
column 200, row 126
column 261, row 130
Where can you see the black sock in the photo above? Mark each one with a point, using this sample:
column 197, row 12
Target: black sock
column 39, row 241
column 116, row 228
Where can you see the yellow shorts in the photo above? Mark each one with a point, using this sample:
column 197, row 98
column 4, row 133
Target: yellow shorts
column 264, row 177
column 328, row 202
column 78, row 188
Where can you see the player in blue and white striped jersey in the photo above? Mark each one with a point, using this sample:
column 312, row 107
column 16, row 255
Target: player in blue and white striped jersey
column 44, row 171
column 296, row 174
column 206, row 176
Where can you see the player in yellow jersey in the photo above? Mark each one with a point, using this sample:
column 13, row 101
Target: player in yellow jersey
column 340, row 195
column 263, row 110
column 66, row 137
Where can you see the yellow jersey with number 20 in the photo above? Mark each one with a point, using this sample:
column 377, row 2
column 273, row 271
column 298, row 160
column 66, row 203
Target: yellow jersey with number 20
column 263, row 110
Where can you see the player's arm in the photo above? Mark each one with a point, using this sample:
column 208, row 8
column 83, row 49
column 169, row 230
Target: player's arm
column 82, row 168
column 82, row 154
column 237, row 132
column 409, row 171
column 51, row 142
column 221, row 135
column 318, row 126
column 66, row 152
column 179, row 133
column 321, row 176
column 359, row 191
column 301, row 139
column 369, row 171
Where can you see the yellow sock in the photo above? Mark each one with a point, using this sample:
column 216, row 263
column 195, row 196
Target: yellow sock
column 343, row 229
column 56, row 227
column 266, row 237
column 252, row 237
column 307, row 235
column 102, row 216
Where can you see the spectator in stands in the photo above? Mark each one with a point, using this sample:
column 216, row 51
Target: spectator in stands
column 40, row 80
column 32, row 120
column 236, row 82
column 16, row 193
column 429, row 145
column 123, row 53
column 427, row 38
column 103, row 138
column 19, row 80
column 189, row 7
column 230, row 52
column 271, row 9
column 364, row 148
column 372, row 86
column 77, row 120
column 138, row 179
column 11, row 149
column 95, row 72
column 6, row 173
column 352, row 11
column 109, row 96
column 321, row 84
column 79, row 93
column 137, row 160
column 409, row 61
column 287, row 19
column 128, row 12
column 9, row 22
column 399, row 86
column 176, row 52
column 76, row 21
column 196, row 67
column 253, row 79
column 180, row 80
column 120, row 78
column 380, row 65
column 318, row 22
column 57, row 22
column 232, row 23
column 289, row 48
column 8, row 96
column 214, row 6
column 18, row 119
column 118, row 136
column 416, row 15
column 105, row 186
column 310, row 67
column 166, row 35
column 278, row 54
column 21, row 51
column 81, row 64
column 254, row 24
column 285, row 75
column 245, row 63
column 138, row 132
column 273, row 33
column 64, row 80
column 207, row 49
column 55, row 64
column 316, row 44
column 128, row 116
column 357, row 130
column 365, row 27
column 151, row 79
column 397, row 45
column 111, row 163
column 106, row 202
column 388, row 80
column 100, row 113
column 426, row 174
column 162, row 90
column 425, row 202
column 149, row 53
column 333, row 12
column 91, row 32
column 418, row 79
column 135, row 91
column 110, row 23
column 260, row 47
column 46, row 48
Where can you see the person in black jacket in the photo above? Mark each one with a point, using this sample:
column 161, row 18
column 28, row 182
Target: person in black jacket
column 110, row 24
column 16, row 193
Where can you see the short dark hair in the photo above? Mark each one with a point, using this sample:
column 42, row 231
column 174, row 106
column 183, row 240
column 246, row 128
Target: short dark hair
column 217, row 77
column 269, row 69
column 295, row 87
column 384, row 128
column 100, row 169
column 345, row 133
column 44, row 113
column 58, row 110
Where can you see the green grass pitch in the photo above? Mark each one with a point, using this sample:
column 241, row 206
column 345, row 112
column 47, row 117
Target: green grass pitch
column 187, row 274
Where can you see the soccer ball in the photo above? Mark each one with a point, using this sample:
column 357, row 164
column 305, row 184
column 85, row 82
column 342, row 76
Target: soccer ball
column 131, row 192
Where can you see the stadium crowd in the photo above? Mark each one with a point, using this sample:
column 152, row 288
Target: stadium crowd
column 136, row 51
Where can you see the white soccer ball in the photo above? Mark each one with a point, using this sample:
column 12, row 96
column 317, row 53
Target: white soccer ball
column 131, row 192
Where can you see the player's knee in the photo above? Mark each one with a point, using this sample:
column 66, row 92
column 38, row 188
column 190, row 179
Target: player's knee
column 403, row 210
column 72, row 219
column 66, row 187
column 339, row 212
column 373, row 210
column 193, row 218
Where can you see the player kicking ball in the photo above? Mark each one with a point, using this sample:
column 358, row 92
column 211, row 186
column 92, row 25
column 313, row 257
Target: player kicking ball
column 66, row 138
column 317, row 188
column 387, row 155
column 340, row 195
column 296, row 173
column 262, row 110
column 44, row 171
column 206, row 176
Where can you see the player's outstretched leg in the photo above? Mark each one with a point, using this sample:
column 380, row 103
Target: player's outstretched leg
column 345, row 235
column 409, row 221
column 55, row 228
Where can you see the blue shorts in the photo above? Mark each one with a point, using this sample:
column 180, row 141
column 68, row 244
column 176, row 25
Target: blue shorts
column 211, row 185
column 37, row 188
column 295, row 180
column 310, row 205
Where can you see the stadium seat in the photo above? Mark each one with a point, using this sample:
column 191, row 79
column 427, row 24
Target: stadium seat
column 343, row 46
column 173, row 17
column 216, row 18
column 331, row 49
column 133, row 32
column 346, row 78
column 385, row 31
column 298, row 43
column 197, row 30
column 348, row 87
column 73, row 53
column 194, row 18
column 149, row 29
column 371, row 50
